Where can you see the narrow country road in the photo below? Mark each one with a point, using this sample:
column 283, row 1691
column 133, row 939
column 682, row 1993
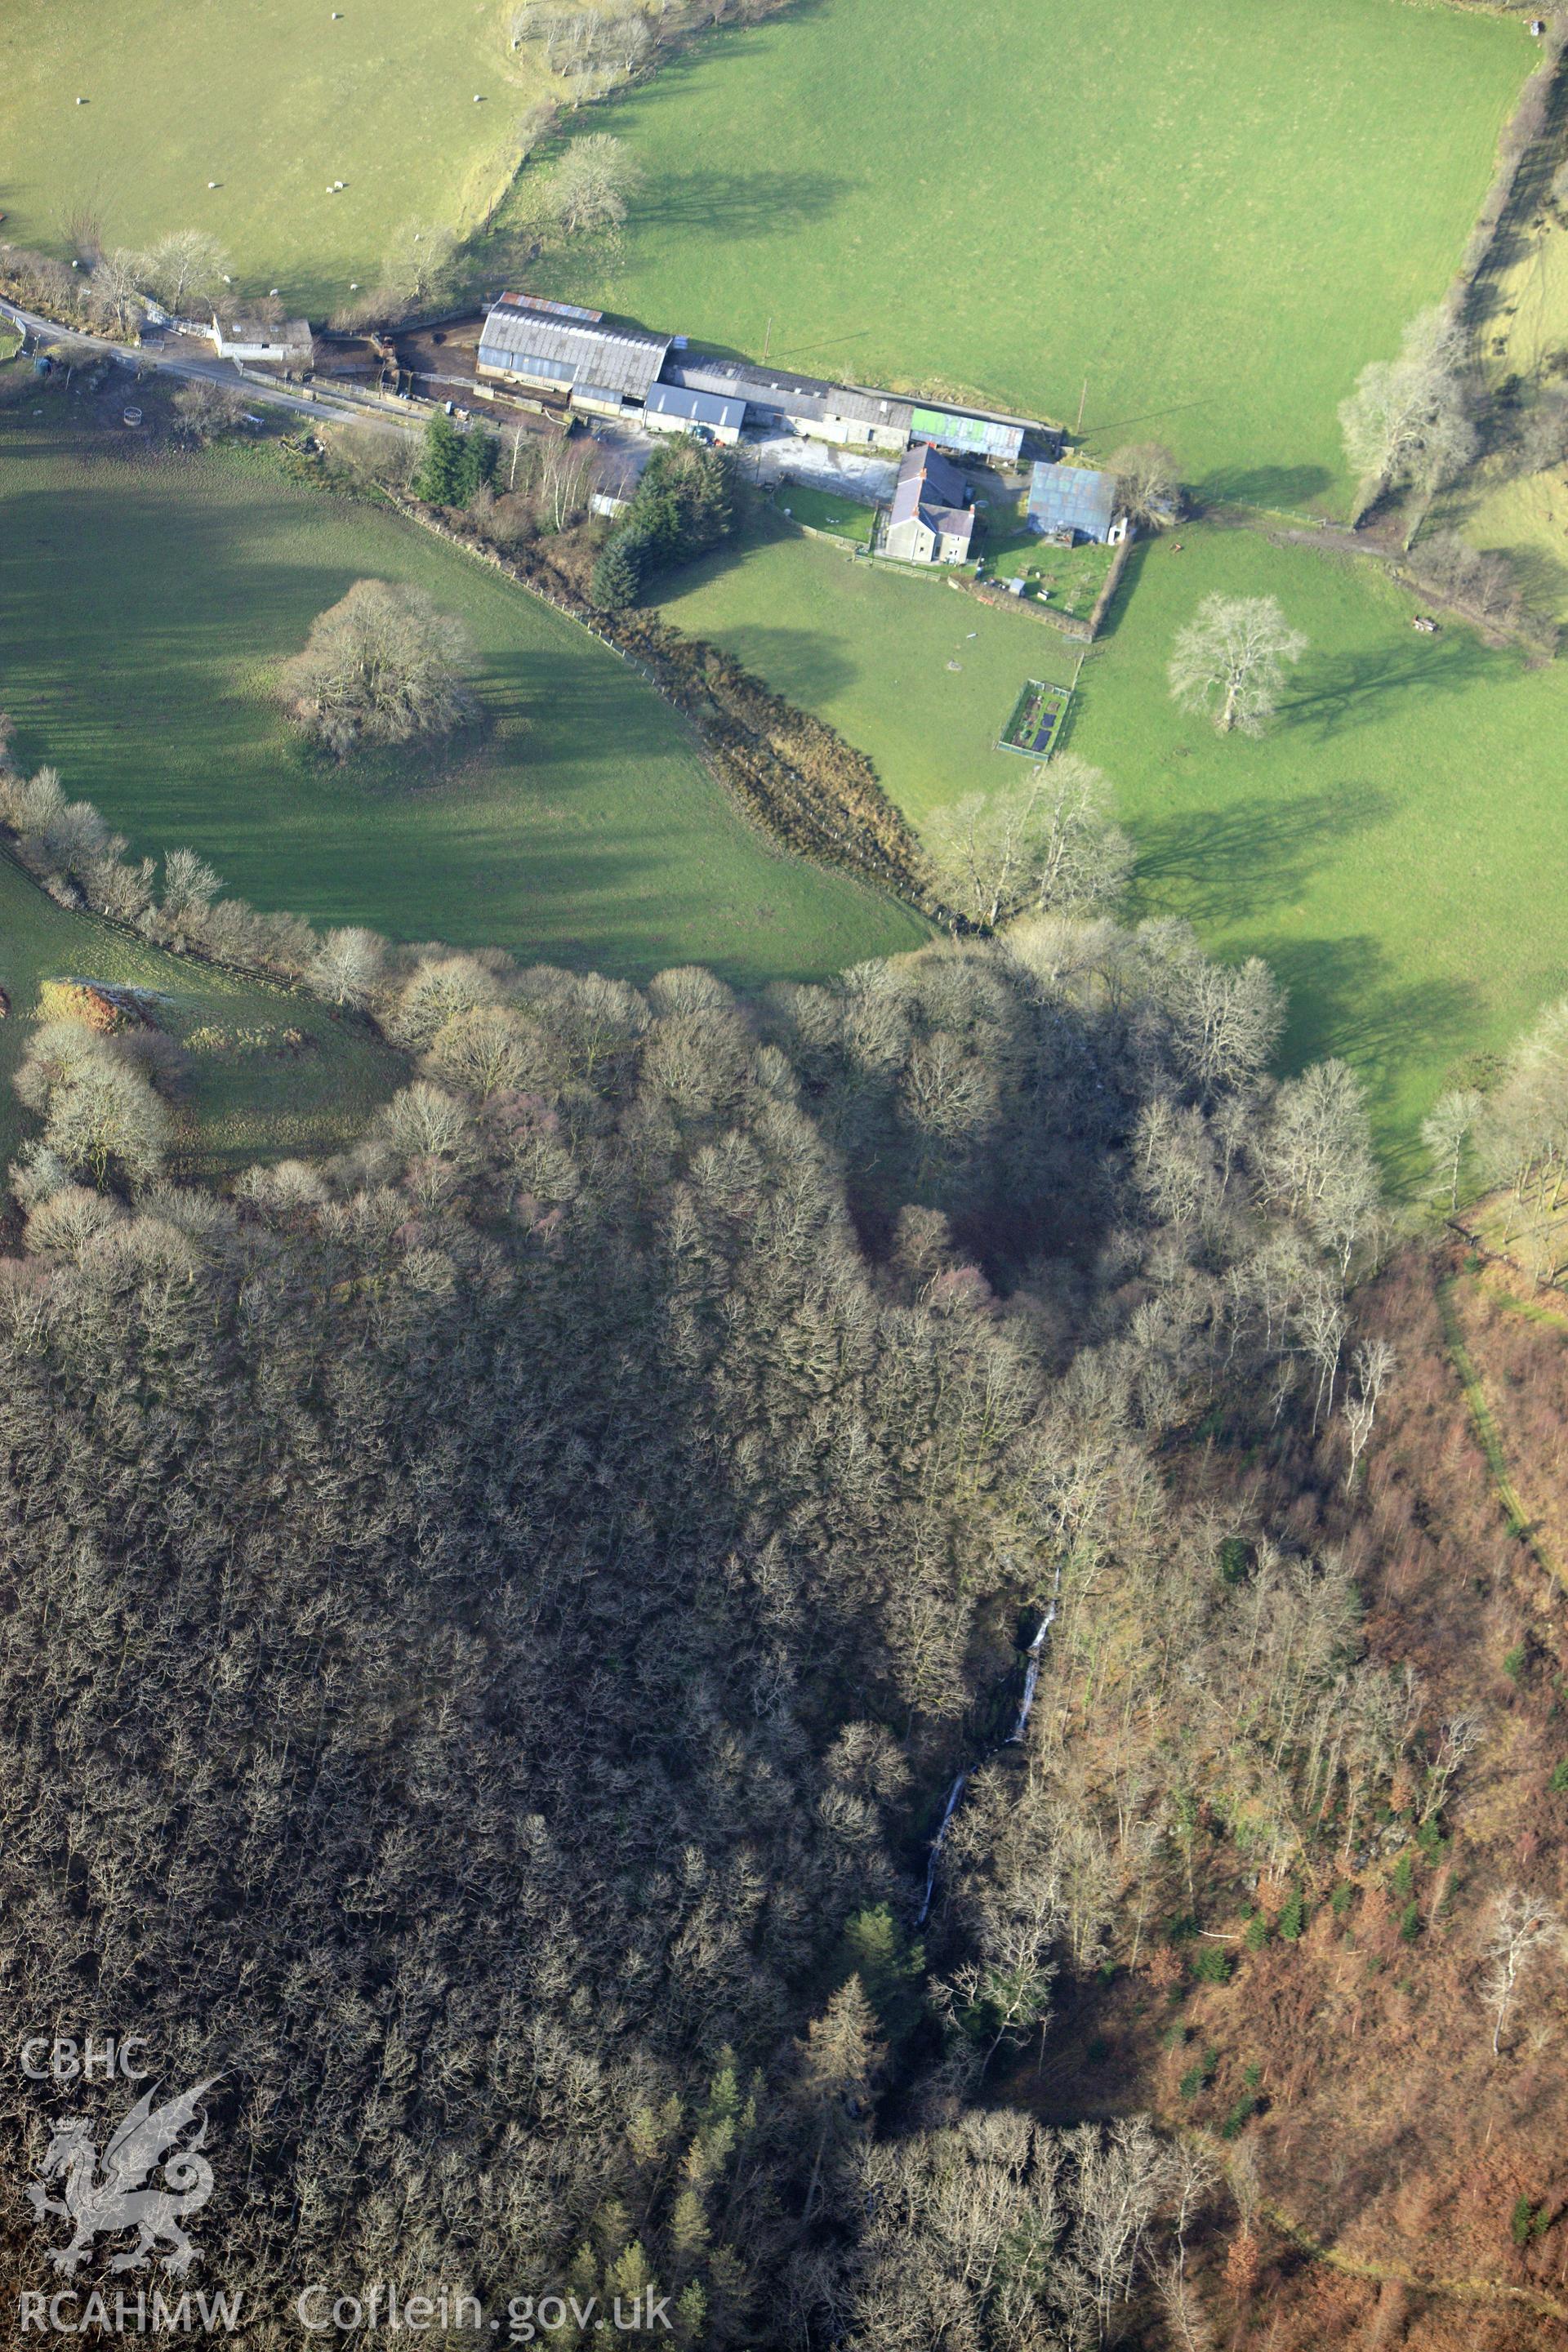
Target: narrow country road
column 182, row 355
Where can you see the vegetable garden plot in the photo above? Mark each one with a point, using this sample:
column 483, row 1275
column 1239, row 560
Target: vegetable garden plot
column 1036, row 718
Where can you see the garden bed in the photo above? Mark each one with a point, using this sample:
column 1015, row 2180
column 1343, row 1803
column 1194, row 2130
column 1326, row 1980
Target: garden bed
column 1037, row 719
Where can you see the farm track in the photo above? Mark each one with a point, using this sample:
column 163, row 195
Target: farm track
column 1521, row 1523
column 1366, row 2266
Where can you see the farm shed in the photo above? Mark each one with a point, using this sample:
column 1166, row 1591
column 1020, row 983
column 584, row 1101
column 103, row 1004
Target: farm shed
column 669, row 409
column 1077, row 500
column 259, row 343
column 972, row 437
column 597, row 400
column 805, row 404
column 928, row 521
column 520, row 343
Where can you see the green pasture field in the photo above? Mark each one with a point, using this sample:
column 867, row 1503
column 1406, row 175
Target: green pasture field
column 1395, row 847
column 1214, row 212
column 921, row 678
column 274, row 100
column 238, row 1105
column 145, row 603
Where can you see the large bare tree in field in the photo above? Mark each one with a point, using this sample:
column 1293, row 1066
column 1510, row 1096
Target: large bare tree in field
column 1147, row 483
column 589, row 188
column 383, row 665
column 1230, row 661
column 186, row 267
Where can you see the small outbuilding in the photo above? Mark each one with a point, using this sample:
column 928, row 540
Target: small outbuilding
column 929, row 520
column 1074, row 502
column 670, row 409
column 259, row 342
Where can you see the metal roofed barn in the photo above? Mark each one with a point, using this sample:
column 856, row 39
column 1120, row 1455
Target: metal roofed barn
column 1074, row 498
column 974, row 437
column 551, row 309
column 522, row 345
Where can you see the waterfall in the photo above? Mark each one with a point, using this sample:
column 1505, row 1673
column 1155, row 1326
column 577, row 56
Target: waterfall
column 1033, row 1653
column 950, row 1807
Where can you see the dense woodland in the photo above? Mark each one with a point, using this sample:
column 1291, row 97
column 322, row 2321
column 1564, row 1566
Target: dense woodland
column 492, row 1621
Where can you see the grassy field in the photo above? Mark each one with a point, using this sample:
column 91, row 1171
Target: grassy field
column 274, row 100
column 248, row 1097
column 144, row 604
column 824, row 511
column 1213, row 211
column 1393, row 847
column 922, row 678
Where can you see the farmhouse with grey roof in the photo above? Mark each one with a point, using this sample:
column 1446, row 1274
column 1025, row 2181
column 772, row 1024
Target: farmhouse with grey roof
column 928, row 521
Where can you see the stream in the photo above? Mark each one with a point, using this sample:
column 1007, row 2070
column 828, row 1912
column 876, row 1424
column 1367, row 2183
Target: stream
column 955, row 1794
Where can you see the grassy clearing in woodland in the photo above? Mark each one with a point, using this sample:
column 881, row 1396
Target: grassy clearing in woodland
column 250, row 1092
column 1214, row 211
column 146, row 606
column 1393, row 843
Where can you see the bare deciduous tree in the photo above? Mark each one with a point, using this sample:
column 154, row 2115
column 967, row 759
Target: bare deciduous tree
column 1457, row 1740
column 383, row 665
column 1230, row 661
column 203, row 410
column 348, row 964
column 186, row 266
column 1148, row 486
column 1121, row 2177
column 1446, row 1131
column 117, row 282
column 102, row 1118
column 566, row 467
column 1406, row 423
column 1372, row 1369
column 1520, row 1929
column 1046, row 844
column 588, row 190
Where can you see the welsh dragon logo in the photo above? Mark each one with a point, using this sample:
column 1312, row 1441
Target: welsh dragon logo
column 101, row 2200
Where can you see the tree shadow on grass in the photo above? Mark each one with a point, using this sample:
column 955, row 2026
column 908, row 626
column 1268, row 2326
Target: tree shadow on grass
column 738, row 204
column 1210, row 862
column 1333, row 692
column 1263, row 486
column 807, row 665
column 1349, row 999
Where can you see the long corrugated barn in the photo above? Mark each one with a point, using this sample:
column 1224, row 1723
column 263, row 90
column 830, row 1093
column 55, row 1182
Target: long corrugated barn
column 523, row 345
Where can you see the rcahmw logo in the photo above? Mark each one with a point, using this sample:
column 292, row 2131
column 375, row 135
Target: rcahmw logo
column 149, row 2180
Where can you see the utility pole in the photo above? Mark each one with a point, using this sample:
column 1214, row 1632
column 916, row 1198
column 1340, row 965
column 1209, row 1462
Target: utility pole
column 1082, row 398
column 767, row 339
